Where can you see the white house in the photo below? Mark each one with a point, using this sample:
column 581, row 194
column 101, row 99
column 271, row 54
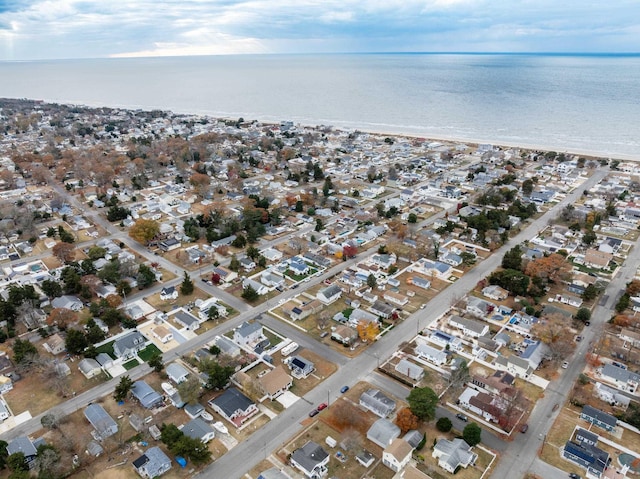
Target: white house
column 431, row 354
column 397, row 454
column 168, row 293
column 452, row 454
column 469, row 327
column 330, row 294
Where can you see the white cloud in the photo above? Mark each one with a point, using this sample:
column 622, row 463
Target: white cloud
column 100, row 28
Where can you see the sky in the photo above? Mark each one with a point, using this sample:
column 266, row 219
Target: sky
column 66, row 29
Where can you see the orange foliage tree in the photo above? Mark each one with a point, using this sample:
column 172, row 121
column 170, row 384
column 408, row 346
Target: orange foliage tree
column 622, row 320
column 368, row 330
column 553, row 267
column 633, row 288
column 62, row 317
column 144, row 230
column 555, row 333
column 65, row 252
column 406, row 420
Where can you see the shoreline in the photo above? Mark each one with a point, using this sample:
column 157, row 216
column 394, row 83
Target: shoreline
column 365, row 129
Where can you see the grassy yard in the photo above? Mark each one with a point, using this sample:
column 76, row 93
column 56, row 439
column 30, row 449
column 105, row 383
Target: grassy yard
column 131, row 364
column 148, row 352
column 106, row 348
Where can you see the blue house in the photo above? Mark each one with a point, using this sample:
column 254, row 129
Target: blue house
column 599, row 418
column 584, row 452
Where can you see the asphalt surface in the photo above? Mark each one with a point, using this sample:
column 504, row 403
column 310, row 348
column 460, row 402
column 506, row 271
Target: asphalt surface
column 274, row 434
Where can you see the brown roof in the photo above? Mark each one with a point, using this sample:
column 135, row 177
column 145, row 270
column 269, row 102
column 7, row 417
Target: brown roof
column 599, row 258
column 410, row 472
column 399, row 448
column 275, row 380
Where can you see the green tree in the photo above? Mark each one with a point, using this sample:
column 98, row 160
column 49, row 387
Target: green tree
column 527, row 187
column 146, row 277
column 186, row 288
column 190, row 390
column 122, row 389
column 412, row 218
column 371, row 280
column 623, row 303
column 472, row 434
column 234, row 264
column 123, row 287
column 319, row 224
column 250, row 294
column 444, row 424
column 17, row 462
column 589, row 237
column 218, row 375
column 423, row 402
column 75, row 342
column 156, row 362
column 299, row 206
column 23, row 350
column 51, row 288
column 3, row 454
column 512, row 259
column 96, row 252
column 253, row 252
column 584, row 315
column 239, row 242
column 589, row 293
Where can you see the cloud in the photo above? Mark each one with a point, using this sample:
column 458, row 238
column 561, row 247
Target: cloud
column 31, row 29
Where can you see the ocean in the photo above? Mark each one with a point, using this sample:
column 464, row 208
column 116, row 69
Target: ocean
column 574, row 103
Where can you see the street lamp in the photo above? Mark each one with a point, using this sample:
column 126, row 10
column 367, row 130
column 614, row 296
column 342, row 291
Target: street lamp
column 328, row 392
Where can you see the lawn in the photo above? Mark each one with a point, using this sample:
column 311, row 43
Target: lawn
column 106, row 348
column 148, row 352
column 131, row 364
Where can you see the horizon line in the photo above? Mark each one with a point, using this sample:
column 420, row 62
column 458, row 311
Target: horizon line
column 470, row 53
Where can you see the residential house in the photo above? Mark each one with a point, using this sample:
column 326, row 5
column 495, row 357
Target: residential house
column 55, row 344
column 611, row 396
column 453, row 454
column 344, row 334
column 585, row 452
column 383, row 432
column 396, row 298
column 570, row 299
column 225, row 274
column 247, row 264
column 67, row 302
column 146, row 395
column 630, row 337
column 152, row 463
column 259, row 288
column 495, row 292
column 330, row 294
column 275, row 382
column 300, row 367
column 409, row 369
column 420, row 282
column 24, row 445
column 272, row 280
column 382, row 309
column 599, row 418
column 515, row 365
column 597, row 259
column 4, row 410
column 534, row 353
column 234, row 406
column 274, row 473
column 500, row 382
column 298, row 267
column 431, row 354
column 89, row 368
column 162, row 333
column 177, row 373
column 298, row 313
column 188, row 320
column 377, row 402
column 169, row 293
column 445, row 340
column 198, row 429
column 469, row 327
column 227, row 346
column 250, row 335
column 482, row 404
column 169, row 244
column 129, row 345
column 101, row 421
column 479, row 307
column 397, row 454
column 311, row 459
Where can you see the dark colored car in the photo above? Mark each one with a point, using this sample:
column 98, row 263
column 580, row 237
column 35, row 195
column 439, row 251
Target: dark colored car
column 313, row 413
column 322, row 406
column 573, row 475
column 344, row 389
column 587, row 323
column 462, row 417
column 524, row 428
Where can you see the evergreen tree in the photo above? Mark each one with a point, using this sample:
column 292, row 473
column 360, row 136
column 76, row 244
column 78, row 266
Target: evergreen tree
column 186, row 288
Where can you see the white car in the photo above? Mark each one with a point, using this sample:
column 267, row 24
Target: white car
column 565, row 364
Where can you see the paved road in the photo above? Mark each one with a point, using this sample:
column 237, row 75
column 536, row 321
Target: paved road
column 243, row 457
column 522, row 455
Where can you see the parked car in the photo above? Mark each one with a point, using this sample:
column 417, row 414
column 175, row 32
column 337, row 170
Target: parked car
column 565, row 364
column 587, row 323
column 344, row 389
column 313, row 413
column 573, row 475
column 322, row 406
column 324, row 334
column 524, row 428
column 462, row 417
